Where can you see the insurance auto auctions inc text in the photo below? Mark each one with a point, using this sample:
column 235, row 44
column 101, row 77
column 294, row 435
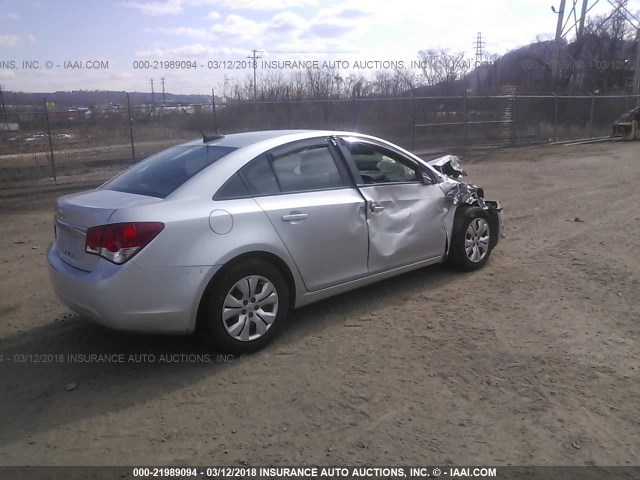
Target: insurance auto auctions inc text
column 358, row 64
column 351, row 472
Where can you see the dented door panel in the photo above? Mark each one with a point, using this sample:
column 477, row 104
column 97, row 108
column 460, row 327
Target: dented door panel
column 406, row 224
column 324, row 231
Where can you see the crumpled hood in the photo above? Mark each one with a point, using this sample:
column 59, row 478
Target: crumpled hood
column 448, row 165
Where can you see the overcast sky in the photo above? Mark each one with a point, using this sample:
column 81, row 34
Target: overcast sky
column 121, row 32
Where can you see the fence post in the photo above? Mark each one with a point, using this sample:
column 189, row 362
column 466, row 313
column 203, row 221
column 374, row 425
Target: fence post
column 288, row 108
column 53, row 163
column 353, row 110
column 413, row 121
column 4, row 109
column 626, row 104
column 513, row 120
column 213, row 106
column 133, row 151
column 555, row 118
column 464, row 117
column 593, row 99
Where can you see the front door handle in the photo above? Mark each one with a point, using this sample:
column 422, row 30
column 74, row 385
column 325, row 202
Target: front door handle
column 294, row 217
column 375, row 207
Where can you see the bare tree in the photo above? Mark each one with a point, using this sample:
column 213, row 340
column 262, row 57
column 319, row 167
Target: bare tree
column 439, row 66
column 298, row 85
column 604, row 52
column 237, row 89
column 321, row 83
column 357, row 86
column 393, row 83
column 614, row 25
column 271, row 86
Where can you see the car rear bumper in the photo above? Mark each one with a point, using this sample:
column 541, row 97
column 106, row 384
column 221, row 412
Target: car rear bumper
column 129, row 297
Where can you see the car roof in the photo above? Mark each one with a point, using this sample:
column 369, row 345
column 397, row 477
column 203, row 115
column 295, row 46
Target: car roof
column 239, row 140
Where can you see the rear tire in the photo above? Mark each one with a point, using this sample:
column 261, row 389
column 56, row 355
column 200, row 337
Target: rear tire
column 245, row 308
column 471, row 239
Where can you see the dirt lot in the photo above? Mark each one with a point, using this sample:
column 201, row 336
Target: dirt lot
column 533, row 360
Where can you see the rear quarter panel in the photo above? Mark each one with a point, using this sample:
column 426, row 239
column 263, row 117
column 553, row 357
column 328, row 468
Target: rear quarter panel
column 188, row 239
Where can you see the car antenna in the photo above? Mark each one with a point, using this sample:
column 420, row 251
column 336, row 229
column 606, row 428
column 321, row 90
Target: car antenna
column 205, row 138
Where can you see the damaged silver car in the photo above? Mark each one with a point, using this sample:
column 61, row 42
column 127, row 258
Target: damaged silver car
column 227, row 235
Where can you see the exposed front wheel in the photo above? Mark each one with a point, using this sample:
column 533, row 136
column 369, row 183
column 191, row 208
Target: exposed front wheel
column 471, row 242
column 247, row 305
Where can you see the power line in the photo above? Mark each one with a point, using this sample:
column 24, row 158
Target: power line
column 316, row 52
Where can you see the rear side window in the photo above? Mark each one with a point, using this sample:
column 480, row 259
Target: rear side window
column 308, row 169
column 233, row 188
column 161, row 174
column 259, row 177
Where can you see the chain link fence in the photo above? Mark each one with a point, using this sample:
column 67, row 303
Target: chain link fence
column 42, row 141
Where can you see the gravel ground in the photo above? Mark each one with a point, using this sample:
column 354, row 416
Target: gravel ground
column 532, row 360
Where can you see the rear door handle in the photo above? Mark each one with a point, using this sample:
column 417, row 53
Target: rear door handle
column 375, row 207
column 294, row 217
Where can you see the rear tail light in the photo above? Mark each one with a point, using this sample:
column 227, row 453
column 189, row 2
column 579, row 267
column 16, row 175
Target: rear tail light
column 118, row 242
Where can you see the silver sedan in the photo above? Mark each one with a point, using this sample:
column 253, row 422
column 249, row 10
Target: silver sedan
column 228, row 234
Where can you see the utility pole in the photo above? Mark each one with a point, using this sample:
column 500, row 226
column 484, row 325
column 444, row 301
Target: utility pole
column 164, row 98
column 153, row 97
column 254, row 57
column 479, row 44
column 583, row 14
column 558, row 43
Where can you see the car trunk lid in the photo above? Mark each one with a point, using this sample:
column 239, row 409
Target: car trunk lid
column 75, row 213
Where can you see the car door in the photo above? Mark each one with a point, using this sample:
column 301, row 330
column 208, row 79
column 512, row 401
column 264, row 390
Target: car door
column 316, row 210
column 405, row 212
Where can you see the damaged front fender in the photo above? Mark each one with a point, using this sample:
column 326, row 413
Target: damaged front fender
column 461, row 194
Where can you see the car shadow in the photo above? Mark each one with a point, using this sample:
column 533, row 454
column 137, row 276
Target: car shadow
column 61, row 372
column 366, row 301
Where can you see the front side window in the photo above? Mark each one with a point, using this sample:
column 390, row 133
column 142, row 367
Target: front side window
column 311, row 168
column 161, row 174
column 380, row 165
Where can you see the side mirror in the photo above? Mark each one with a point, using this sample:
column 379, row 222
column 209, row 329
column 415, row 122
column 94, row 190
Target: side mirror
column 426, row 179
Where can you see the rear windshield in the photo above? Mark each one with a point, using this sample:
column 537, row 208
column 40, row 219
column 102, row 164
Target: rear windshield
column 161, row 174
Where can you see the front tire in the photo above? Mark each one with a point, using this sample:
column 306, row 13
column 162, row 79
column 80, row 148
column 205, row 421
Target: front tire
column 471, row 239
column 246, row 307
